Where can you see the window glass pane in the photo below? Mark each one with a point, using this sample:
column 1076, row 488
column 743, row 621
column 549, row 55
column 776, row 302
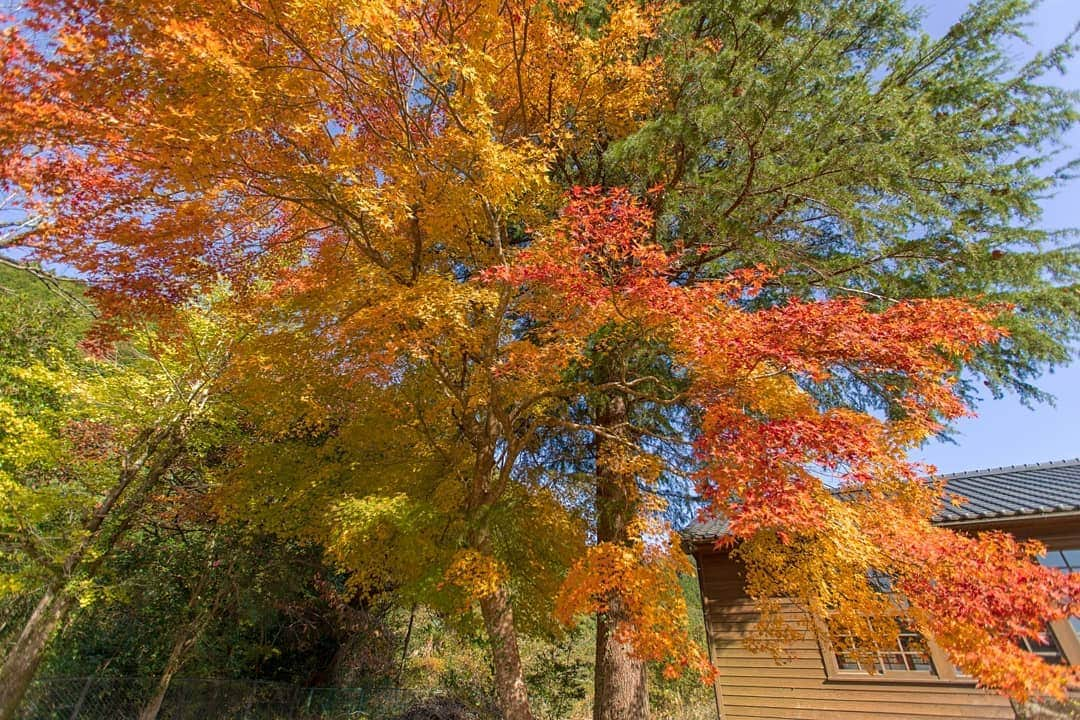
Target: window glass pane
column 1069, row 561
column 916, row 654
column 920, row 662
column 1047, row 649
column 880, row 581
column 847, row 662
column 912, row 644
column 893, row 661
column 1053, row 558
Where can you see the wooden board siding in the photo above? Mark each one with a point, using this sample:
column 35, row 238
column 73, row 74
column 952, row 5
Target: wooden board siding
column 755, row 686
column 1056, row 531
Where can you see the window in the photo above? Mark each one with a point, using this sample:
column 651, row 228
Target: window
column 912, row 657
column 1067, row 560
column 910, row 654
column 1061, row 644
column 917, row 659
column 1049, row 651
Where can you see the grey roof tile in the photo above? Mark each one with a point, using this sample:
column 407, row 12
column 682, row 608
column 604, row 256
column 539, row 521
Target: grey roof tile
column 703, row 531
column 1016, row 490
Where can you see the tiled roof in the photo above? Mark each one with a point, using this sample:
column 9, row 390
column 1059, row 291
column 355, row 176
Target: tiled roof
column 704, row 531
column 1013, row 491
column 993, row 494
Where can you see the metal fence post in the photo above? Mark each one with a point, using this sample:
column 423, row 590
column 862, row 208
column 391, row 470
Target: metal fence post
column 82, row 698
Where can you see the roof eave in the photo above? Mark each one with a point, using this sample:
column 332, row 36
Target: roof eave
column 1009, row 518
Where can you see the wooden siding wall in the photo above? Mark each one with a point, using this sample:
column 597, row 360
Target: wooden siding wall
column 1056, row 532
column 754, row 686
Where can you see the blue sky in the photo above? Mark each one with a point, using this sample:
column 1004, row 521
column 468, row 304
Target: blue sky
column 1005, row 432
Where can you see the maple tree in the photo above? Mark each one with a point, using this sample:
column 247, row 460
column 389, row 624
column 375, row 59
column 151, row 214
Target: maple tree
column 762, row 435
column 445, row 378
column 839, row 141
column 420, row 136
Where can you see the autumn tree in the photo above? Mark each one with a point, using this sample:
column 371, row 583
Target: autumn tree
column 839, row 142
column 371, row 154
column 378, row 476
column 749, row 372
column 812, row 185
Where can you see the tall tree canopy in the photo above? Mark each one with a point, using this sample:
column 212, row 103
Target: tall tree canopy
column 519, row 268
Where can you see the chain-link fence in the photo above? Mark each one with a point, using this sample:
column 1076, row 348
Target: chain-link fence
column 193, row 699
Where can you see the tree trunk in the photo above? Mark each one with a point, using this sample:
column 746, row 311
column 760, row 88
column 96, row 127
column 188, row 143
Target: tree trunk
column 26, row 654
column 509, row 677
column 153, row 706
column 620, row 685
column 190, row 633
column 621, row 690
column 172, row 665
column 179, row 651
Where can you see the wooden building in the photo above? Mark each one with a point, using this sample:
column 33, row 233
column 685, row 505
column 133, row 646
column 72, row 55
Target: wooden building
column 914, row 681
